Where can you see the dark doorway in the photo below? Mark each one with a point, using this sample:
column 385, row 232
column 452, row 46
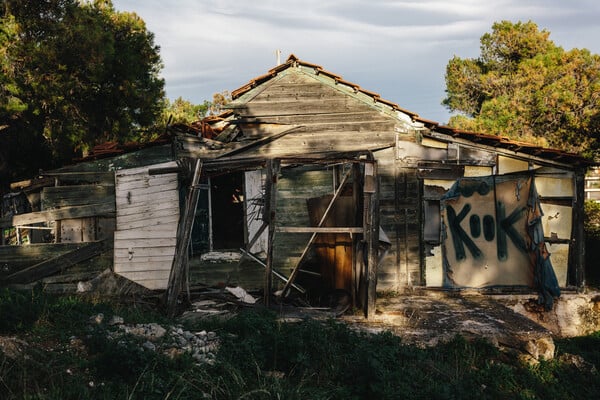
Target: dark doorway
column 227, row 203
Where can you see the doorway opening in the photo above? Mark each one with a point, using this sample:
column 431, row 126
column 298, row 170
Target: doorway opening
column 227, row 209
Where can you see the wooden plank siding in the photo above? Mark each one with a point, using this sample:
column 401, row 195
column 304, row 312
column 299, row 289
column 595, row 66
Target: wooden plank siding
column 76, row 195
column 328, row 119
column 399, row 207
column 146, row 229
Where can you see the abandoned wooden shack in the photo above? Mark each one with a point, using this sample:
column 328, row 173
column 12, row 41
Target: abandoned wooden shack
column 310, row 184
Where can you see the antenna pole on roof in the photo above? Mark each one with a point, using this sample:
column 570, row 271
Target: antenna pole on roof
column 278, row 56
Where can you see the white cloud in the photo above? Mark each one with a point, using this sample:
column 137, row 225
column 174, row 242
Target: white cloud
column 397, row 48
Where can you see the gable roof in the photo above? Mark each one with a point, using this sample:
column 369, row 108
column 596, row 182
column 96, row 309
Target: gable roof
column 435, row 128
column 294, row 61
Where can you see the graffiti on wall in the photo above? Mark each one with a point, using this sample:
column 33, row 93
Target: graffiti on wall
column 485, row 231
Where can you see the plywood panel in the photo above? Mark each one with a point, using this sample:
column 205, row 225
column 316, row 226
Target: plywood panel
column 434, row 143
column 254, row 201
column 559, row 256
column 473, row 170
column 507, row 165
column 157, row 191
column 132, row 234
column 554, row 187
column 439, row 182
column 142, row 243
column 152, row 284
column 127, row 182
column 133, row 258
column 434, row 272
column 163, row 204
column 334, row 250
column 140, row 276
column 143, row 171
column 144, row 266
column 557, row 221
column 147, row 215
column 78, row 230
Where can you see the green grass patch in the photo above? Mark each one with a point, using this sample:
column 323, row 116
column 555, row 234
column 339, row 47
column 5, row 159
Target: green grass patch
column 263, row 358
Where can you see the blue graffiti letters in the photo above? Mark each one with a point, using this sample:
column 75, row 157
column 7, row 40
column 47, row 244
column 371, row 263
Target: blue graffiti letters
column 501, row 231
column 506, row 228
column 489, row 227
column 460, row 238
column 475, row 225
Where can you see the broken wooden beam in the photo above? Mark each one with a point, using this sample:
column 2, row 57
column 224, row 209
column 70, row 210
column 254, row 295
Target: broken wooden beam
column 269, row 217
column 184, row 234
column 274, row 272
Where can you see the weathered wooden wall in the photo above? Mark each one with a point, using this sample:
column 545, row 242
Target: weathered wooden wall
column 147, row 217
column 400, row 219
column 323, row 115
column 334, row 118
column 329, row 118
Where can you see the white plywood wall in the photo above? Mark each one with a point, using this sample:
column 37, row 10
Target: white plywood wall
column 147, row 217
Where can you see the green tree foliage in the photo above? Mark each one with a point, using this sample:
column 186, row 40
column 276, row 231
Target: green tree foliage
column 524, row 86
column 591, row 222
column 182, row 111
column 73, row 73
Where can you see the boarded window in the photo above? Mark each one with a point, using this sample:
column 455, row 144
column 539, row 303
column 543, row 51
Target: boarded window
column 432, row 221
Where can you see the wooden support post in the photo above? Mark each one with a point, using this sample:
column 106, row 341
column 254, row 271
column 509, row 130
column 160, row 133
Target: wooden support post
column 356, row 264
column 371, row 228
column 184, row 234
column 270, row 218
column 576, row 272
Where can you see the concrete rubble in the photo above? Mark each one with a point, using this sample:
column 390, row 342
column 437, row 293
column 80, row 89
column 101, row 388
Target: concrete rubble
column 172, row 340
column 514, row 323
column 12, row 346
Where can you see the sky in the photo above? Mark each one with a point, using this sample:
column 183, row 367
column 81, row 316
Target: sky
column 398, row 49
